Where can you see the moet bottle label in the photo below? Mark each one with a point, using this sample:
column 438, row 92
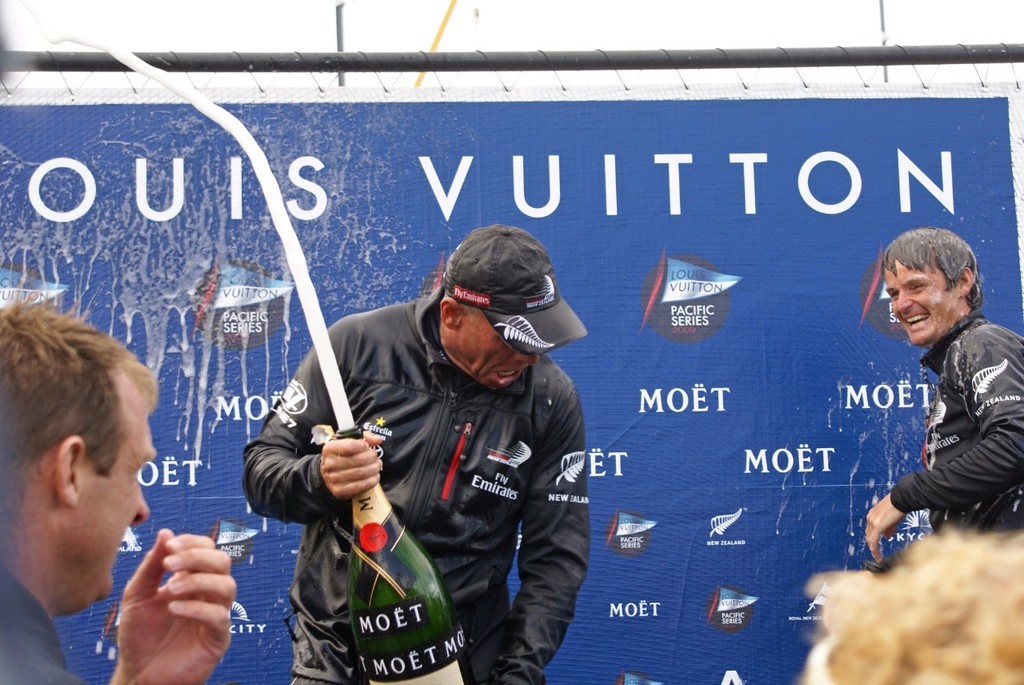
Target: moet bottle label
column 435, row 663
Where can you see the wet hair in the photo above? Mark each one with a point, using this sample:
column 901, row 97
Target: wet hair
column 58, row 377
column 939, row 248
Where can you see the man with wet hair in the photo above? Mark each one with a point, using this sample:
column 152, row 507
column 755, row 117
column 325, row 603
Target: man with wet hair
column 973, row 451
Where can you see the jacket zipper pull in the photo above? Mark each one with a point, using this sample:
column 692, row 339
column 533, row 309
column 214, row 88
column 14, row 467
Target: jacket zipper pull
column 453, row 466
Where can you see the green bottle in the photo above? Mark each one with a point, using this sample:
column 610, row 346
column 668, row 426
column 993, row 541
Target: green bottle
column 405, row 627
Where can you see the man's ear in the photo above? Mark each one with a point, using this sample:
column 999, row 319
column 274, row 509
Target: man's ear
column 451, row 313
column 965, row 282
column 967, row 278
column 64, row 464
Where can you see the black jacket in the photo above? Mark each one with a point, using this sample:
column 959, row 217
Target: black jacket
column 974, row 444
column 30, row 651
column 522, row 463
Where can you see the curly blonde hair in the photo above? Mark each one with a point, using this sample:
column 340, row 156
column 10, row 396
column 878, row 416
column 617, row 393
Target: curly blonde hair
column 950, row 613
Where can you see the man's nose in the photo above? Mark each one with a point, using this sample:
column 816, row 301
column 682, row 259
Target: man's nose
column 901, row 302
column 142, row 513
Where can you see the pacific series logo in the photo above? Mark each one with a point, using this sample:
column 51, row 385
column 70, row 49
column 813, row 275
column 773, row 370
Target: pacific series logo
column 685, row 299
column 239, row 304
column 234, row 539
column 629, row 533
column 19, row 284
column 730, row 609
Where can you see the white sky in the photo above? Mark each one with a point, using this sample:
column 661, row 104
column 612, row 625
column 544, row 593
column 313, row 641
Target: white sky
column 512, row 25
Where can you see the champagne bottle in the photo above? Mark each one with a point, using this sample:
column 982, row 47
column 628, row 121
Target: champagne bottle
column 403, row 620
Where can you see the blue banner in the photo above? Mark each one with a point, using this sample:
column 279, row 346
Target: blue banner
column 747, row 391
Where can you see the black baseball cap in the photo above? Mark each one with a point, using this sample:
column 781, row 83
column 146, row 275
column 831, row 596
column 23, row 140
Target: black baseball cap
column 507, row 273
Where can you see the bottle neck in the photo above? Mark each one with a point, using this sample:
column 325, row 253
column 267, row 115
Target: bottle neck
column 370, row 507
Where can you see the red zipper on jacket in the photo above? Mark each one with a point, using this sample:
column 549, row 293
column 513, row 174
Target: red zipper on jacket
column 453, row 466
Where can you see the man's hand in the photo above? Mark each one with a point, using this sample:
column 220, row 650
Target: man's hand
column 882, row 520
column 350, row 466
column 176, row 633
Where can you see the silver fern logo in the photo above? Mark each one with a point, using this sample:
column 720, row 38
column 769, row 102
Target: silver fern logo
column 520, row 330
column 719, row 524
column 937, row 413
column 572, row 467
column 982, row 380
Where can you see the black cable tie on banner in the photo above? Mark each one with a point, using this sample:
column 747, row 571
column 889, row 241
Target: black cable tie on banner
column 432, row 71
column 728, row 59
column 376, row 73
column 794, row 68
column 675, row 68
column 178, row 65
column 1013, row 69
column 128, row 78
column 547, row 59
column 855, row 67
column 312, row 75
column 913, row 66
column 614, row 70
column 977, row 72
column 16, row 86
column 496, row 73
column 248, row 68
column 61, row 72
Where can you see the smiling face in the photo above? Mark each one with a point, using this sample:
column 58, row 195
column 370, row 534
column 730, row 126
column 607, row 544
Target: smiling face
column 473, row 345
column 924, row 304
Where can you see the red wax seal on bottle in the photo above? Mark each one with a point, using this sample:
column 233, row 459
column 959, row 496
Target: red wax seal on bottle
column 373, row 537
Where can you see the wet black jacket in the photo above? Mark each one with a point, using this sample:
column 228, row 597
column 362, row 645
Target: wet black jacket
column 974, row 445
column 522, row 463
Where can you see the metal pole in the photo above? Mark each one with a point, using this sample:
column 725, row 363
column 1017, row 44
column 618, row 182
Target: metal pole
column 885, row 39
column 593, row 60
column 338, row 11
